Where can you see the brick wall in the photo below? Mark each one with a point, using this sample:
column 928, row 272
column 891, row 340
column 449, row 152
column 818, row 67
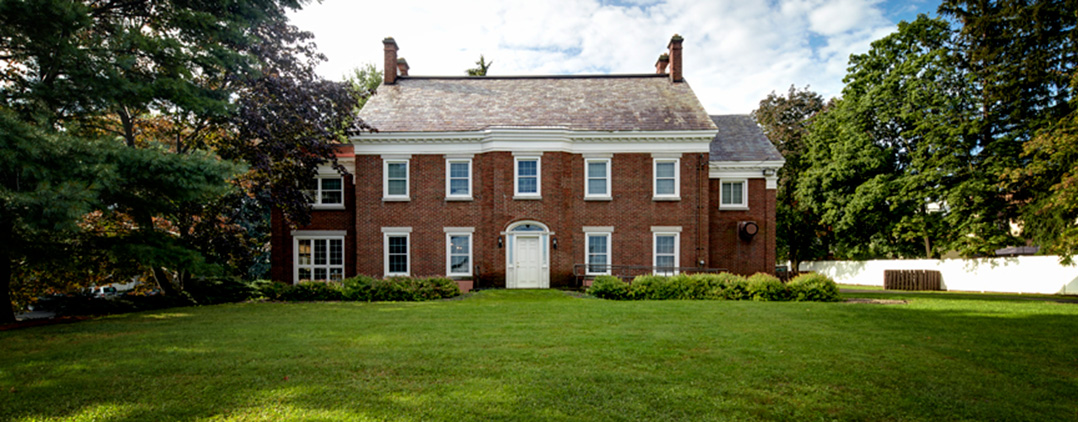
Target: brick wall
column 562, row 208
column 281, row 235
column 730, row 251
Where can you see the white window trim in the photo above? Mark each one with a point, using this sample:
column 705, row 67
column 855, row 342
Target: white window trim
column 317, row 195
column 597, row 197
column 459, row 231
column 666, row 231
column 321, row 235
column 607, row 232
column 388, row 232
column 744, row 205
column 386, row 161
column 448, row 166
column 538, row 194
column 655, row 179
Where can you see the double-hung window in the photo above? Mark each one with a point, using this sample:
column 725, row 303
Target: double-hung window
column 666, row 248
column 597, row 250
column 733, row 194
column 667, row 181
column 395, row 178
column 458, row 179
column 597, row 178
column 318, row 257
column 396, row 244
column 527, row 180
column 458, row 253
column 326, row 191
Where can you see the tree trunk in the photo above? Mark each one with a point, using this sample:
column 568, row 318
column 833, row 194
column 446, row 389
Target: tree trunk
column 164, row 282
column 7, row 312
column 928, row 247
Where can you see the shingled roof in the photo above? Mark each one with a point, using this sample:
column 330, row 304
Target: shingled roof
column 583, row 103
column 740, row 139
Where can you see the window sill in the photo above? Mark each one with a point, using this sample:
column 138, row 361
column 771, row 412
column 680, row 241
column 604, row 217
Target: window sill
column 598, row 198
column 733, row 208
column 396, row 275
column 459, row 198
column 595, row 274
column 457, row 277
column 665, row 198
column 327, row 206
column 396, row 199
column 527, row 197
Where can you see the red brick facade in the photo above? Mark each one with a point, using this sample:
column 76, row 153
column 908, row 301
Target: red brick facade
column 708, row 237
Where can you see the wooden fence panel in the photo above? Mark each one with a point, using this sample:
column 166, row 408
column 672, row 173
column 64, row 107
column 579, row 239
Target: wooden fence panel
column 912, row 280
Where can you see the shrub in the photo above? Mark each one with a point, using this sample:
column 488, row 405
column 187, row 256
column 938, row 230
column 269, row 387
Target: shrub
column 766, row 287
column 647, row 287
column 311, row 291
column 214, row 290
column 393, row 289
column 271, row 290
column 724, row 286
column 609, row 287
column 813, row 287
column 443, row 287
column 357, row 288
column 683, row 286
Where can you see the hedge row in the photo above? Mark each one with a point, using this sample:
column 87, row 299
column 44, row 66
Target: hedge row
column 365, row 289
column 724, row 286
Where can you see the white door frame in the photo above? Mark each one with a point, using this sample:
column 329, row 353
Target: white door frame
column 511, row 233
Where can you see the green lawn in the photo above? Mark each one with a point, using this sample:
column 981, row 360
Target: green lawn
column 544, row 355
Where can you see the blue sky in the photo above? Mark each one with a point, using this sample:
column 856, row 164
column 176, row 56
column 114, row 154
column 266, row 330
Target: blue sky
column 735, row 51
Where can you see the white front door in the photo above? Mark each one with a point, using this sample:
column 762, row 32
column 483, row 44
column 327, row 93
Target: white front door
column 528, row 262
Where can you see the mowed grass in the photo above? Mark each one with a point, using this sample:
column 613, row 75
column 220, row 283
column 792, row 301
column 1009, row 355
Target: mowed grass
column 545, row 355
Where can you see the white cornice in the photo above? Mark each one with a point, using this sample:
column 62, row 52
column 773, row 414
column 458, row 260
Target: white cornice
column 747, row 170
column 533, row 139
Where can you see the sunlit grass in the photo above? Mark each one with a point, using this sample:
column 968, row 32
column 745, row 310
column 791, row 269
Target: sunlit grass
column 544, row 355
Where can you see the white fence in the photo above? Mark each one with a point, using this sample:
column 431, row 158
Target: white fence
column 1024, row 274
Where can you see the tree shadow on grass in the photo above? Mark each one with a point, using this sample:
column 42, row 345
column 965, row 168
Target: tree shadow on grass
column 552, row 360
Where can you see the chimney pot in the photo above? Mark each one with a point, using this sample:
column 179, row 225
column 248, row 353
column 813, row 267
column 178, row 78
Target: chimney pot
column 664, row 61
column 390, row 73
column 402, row 65
column 675, row 58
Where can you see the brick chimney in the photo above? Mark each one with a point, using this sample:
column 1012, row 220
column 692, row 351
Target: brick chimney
column 402, row 65
column 675, row 58
column 664, row 61
column 390, row 72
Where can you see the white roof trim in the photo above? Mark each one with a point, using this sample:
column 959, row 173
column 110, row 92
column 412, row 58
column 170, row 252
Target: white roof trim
column 533, row 139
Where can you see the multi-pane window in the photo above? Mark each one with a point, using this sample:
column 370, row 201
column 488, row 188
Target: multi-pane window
column 732, row 194
column 458, row 178
column 598, row 253
column 326, row 190
column 459, row 254
column 319, row 258
column 397, row 254
column 527, row 176
column 666, row 253
column 666, row 178
column 396, row 179
column 597, row 178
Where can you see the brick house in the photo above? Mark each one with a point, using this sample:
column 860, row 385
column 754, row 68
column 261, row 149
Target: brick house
column 531, row 182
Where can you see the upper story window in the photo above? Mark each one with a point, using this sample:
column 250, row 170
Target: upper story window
column 733, row 194
column 528, row 176
column 667, row 178
column 326, row 191
column 458, row 179
column 597, row 178
column 395, row 179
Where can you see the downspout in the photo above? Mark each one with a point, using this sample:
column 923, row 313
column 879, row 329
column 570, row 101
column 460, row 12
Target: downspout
column 701, row 211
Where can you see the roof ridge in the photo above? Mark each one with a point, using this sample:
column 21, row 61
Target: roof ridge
column 600, row 76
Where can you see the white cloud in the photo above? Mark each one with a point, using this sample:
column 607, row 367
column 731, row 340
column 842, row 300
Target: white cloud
column 735, row 52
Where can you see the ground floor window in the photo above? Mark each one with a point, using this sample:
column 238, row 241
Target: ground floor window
column 396, row 247
column 665, row 252
column 319, row 258
column 597, row 250
column 458, row 253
